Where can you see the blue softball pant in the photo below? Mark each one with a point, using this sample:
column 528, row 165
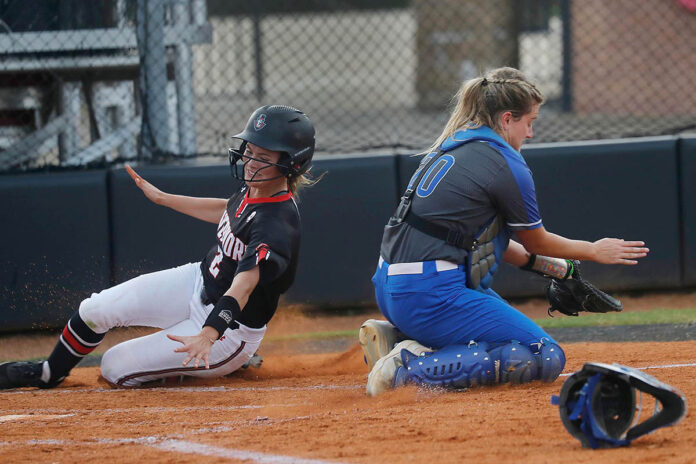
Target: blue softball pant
column 437, row 309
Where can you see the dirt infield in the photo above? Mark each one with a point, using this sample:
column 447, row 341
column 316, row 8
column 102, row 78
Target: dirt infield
column 313, row 408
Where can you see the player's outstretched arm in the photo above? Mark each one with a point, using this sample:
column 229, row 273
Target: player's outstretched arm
column 205, row 209
column 604, row 251
column 223, row 315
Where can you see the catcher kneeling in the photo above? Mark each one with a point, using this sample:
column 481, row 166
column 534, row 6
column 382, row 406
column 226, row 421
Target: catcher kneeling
column 394, row 360
column 471, row 193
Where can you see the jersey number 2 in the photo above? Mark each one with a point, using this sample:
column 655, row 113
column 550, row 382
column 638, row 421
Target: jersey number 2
column 215, row 265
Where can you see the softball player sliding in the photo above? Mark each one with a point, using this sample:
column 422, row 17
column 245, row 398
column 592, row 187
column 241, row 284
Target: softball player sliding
column 213, row 313
column 450, row 233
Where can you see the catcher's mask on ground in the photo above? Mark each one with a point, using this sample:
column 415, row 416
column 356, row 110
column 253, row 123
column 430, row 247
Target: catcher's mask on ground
column 276, row 128
column 598, row 403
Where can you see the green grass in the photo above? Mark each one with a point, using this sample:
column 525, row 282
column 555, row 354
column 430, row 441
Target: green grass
column 654, row 316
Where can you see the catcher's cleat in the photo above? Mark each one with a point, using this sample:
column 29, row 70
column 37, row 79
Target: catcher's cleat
column 20, row 374
column 254, row 361
column 382, row 375
column 377, row 338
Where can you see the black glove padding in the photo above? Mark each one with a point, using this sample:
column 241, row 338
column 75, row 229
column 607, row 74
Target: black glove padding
column 575, row 295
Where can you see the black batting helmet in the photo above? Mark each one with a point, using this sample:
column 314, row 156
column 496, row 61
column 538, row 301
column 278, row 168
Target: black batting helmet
column 279, row 128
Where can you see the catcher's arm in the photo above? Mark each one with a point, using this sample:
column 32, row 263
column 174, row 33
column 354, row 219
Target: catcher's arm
column 605, row 251
column 542, row 265
column 568, row 292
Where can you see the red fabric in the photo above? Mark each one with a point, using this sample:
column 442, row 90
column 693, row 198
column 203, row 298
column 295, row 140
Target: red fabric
column 74, row 344
column 251, row 201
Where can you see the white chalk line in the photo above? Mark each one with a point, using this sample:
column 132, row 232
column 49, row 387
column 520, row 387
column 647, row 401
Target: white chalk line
column 181, row 446
column 38, row 413
column 209, row 450
column 16, row 417
column 663, row 366
column 58, row 391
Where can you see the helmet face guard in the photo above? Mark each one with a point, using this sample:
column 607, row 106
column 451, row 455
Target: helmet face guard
column 277, row 128
column 237, row 169
column 597, row 405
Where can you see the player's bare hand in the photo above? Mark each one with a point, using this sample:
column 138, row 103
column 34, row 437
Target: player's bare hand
column 619, row 251
column 197, row 346
column 153, row 193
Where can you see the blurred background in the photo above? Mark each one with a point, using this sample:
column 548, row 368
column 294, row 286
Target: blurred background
column 85, row 82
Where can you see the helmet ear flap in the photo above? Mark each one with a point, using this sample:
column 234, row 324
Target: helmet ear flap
column 284, row 165
column 235, row 155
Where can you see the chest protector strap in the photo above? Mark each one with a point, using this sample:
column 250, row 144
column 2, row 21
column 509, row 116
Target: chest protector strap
column 404, row 214
column 481, row 257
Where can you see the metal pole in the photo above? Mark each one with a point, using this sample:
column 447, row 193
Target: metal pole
column 199, row 12
column 567, row 79
column 258, row 62
column 183, row 77
column 69, row 140
column 153, row 76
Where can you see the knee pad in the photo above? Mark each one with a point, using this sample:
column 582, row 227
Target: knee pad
column 551, row 361
column 515, row 363
column 456, row 366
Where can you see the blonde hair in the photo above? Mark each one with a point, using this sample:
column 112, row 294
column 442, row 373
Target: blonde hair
column 481, row 101
column 295, row 184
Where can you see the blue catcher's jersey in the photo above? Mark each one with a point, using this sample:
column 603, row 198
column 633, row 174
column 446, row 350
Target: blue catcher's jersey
column 479, row 177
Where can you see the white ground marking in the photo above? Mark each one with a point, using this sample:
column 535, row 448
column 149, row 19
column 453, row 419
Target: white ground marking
column 56, row 391
column 147, row 409
column 15, row 417
column 253, row 456
column 182, row 446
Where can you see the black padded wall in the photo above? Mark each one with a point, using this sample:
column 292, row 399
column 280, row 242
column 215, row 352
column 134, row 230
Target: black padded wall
column 688, row 207
column 342, row 220
column 54, row 246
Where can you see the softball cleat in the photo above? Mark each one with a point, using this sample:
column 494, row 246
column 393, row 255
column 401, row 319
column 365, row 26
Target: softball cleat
column 377, row 338
column 381, row 377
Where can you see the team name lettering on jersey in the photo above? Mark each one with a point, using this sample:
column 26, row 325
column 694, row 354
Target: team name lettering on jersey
column 229, row 245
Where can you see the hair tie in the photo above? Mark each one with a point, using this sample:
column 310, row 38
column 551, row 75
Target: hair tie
column 484, row 82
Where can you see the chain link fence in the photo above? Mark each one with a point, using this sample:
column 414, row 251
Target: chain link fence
column 86, row 82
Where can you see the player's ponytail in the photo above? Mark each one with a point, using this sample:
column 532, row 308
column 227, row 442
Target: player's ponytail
column 306, row 179
column 480, row 101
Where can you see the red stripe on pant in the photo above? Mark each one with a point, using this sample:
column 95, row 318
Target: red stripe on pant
column 181, row 370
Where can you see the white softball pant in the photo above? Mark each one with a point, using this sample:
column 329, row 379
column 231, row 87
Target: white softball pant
column 169, row 300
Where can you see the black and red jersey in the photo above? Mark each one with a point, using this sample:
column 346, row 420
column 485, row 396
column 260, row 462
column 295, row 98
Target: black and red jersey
column 255, row 231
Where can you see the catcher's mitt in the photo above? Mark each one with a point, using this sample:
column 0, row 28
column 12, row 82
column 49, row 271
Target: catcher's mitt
column 574, row 295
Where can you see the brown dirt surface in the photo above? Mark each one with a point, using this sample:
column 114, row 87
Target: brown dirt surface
column 313, row 408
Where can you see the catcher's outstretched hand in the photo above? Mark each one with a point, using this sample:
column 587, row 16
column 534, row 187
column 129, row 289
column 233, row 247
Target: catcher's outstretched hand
column 619, row 251
column 153, row 193
column 575, row 295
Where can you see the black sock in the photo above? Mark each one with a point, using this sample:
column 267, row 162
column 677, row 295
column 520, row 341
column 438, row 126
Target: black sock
column 76, row 342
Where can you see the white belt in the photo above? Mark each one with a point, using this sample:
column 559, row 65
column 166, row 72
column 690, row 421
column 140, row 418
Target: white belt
column 417, row 268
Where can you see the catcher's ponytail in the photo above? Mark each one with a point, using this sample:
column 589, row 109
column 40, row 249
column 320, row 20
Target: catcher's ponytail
column 480, row 101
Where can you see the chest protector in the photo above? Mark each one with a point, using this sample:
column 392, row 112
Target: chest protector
column 485, row 249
